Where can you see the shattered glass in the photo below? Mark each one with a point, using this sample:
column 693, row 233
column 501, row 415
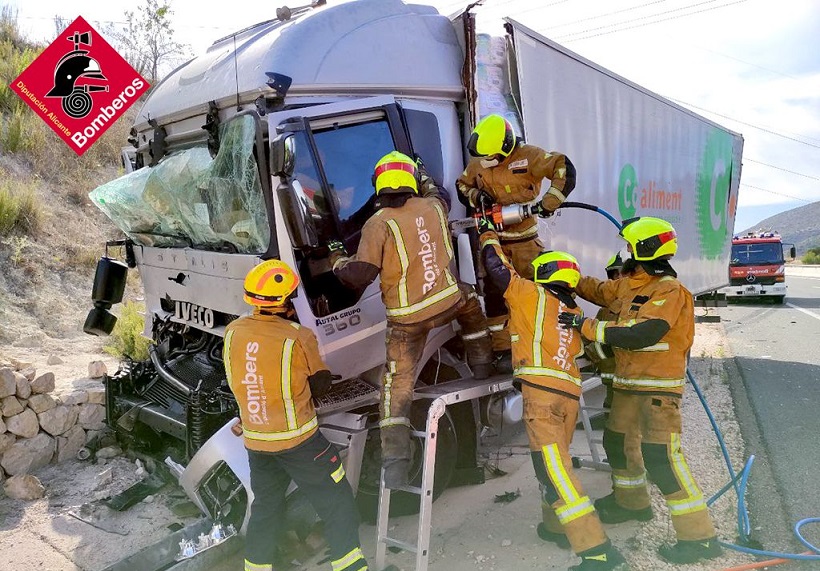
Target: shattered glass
column 191, row 199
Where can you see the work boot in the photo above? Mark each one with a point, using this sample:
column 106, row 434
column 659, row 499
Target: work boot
column 395, row 473
column 610, row 512
column 482, row 370
column 560, row 539
column 691, row 551
column 503, row 362
column 602, row 558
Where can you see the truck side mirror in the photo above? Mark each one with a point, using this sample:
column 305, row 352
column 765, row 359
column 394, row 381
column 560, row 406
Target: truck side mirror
column 283, row 155
column 793, row 252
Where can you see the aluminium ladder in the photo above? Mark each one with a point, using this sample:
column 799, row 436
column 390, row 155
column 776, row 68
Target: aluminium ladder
column 444, row 394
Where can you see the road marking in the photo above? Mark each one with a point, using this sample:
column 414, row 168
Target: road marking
column 806, row 311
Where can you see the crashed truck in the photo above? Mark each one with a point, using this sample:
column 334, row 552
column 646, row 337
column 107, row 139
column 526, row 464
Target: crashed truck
column 263, row 147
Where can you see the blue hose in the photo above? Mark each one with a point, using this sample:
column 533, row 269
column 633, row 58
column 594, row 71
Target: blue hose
column 743, row 524
column 593, row 208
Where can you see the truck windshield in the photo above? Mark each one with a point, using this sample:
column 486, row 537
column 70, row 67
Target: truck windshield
column 347, row 154
column 191, row 199
column 762, row 253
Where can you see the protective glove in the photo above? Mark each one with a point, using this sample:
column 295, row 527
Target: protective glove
column 484, row 224
column 571, row 320
column 481, row 199
column 335, row 246
column 320, row 383
column 548, row 205
column 541, row 211
column 335, row 250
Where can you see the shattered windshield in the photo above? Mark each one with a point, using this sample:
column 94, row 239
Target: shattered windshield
column 191, row 199
column 765, row 253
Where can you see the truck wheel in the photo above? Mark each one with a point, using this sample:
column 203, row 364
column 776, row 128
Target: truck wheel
column 403, row 503
column 779, row 299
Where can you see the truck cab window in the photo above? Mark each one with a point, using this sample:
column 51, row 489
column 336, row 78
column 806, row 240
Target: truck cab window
column 743, row 254
column 348, row 154
column 424, row 132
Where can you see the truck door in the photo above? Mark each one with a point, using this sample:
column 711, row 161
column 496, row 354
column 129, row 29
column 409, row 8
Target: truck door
column 335, row 148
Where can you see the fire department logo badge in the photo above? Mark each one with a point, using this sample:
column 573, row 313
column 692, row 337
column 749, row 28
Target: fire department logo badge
column 79, row 85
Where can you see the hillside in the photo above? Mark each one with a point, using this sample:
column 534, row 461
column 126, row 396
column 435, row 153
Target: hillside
column 50, row 234
column 800, row 226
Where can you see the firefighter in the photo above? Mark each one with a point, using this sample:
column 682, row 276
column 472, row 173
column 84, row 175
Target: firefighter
column 407, row 241
column 273, row 367
column 600, row 353
column 506, row 171
column 550, row 382
column 651, row 337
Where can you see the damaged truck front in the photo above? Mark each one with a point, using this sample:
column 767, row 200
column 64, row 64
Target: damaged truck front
column 263, row 148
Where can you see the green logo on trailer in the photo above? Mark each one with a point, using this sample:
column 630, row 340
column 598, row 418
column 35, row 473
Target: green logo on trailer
column 712, row 204
column 627, row 191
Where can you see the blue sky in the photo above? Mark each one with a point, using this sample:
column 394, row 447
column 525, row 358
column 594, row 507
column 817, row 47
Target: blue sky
column 750, row 65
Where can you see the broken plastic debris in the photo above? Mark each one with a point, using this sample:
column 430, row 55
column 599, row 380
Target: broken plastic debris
column 218, row 534
column 507, row 497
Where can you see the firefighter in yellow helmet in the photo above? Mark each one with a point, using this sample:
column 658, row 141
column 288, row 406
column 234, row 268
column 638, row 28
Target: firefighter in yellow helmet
column 546, row 372
column 506, row 171
column 651, row 336
column 273, row 367
column 407, row 241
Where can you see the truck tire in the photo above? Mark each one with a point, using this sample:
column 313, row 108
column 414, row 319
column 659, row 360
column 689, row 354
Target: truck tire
column 779, row 299
column 403, row 503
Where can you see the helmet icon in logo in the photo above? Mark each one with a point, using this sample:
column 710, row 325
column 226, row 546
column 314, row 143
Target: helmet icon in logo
column 75, row 65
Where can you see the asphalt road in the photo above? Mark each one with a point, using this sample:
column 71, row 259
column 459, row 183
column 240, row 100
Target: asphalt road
column 777, row 351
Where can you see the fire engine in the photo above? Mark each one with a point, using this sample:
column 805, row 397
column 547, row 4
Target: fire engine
column 757, row 266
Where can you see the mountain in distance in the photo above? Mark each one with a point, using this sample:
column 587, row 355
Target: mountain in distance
column 799, row 226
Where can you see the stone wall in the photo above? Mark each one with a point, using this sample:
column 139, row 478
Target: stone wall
column 38, row 427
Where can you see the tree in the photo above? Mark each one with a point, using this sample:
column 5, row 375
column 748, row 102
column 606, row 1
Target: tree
column 146, row 41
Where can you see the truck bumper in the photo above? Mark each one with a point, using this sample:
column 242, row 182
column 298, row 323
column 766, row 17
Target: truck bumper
column 755, row 290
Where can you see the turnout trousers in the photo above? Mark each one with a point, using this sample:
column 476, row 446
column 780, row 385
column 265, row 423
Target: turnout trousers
column 405, row 344
column 520, row 255
column 316, row 467
column 550, row 420
column 654, row 422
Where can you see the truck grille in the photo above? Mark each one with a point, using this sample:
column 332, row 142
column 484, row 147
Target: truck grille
column 165, row 395
column 762, row 280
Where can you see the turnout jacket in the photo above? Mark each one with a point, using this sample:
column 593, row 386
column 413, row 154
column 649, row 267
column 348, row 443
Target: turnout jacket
column 652, row 333
column 268, row 361
column 410, row 247
column 543, row 353
column 517, row 180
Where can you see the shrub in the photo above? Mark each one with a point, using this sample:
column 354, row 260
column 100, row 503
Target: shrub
column 19, row 208
column 126, row 339
column 812, row 257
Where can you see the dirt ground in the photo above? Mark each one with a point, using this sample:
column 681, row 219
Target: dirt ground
column 470, row 530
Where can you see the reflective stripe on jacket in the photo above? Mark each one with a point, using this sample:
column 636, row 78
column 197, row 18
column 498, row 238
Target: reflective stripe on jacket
column 543, row 353
column 268, row 360
column 659, row 366
column 412, row 247
column 517, row 180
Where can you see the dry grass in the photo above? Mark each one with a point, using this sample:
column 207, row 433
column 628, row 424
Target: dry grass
column 19, row 207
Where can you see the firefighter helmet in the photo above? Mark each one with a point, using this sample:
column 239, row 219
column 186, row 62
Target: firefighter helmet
column 614, row 265
column 555, row 267
column 650, row 238
column 270, row 284
column 396, row 172
column 493, row 135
